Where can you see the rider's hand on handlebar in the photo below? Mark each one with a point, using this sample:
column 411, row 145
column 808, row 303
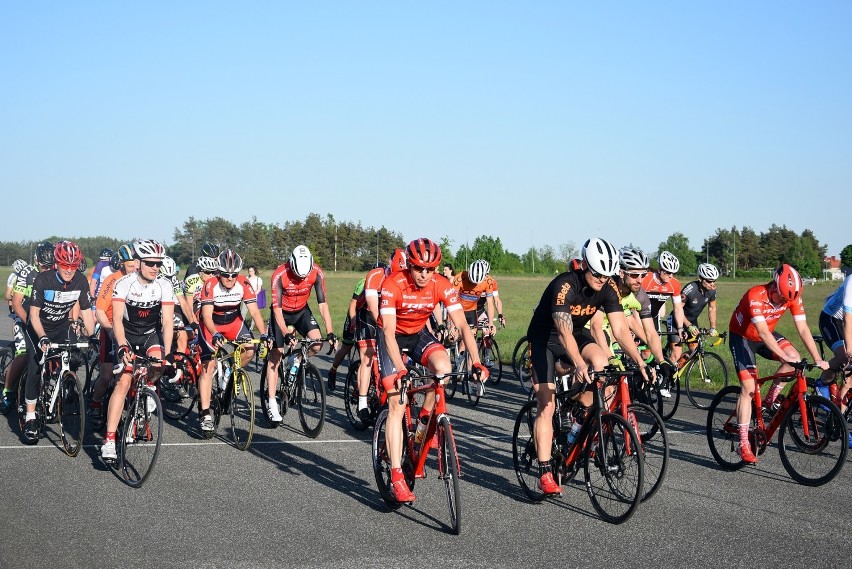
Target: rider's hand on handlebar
column 480, row 372
column 331, row 339
column 502, row 320
column 125, row 354
column 821, row 364
column 218, row 340
column 44, row 343
column 392, row 382
column 692, row 331
column 581, row 372
column 713, row 332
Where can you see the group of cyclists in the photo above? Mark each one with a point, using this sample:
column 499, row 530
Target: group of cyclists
column 402, row 310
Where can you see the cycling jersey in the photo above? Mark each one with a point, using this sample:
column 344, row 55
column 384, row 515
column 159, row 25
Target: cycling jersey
column 226, row 301
column 570, row 293
column 660, row 292
column 695, row 298
column 291, row 293
column 412, row 305
column 840, row 301
column 143, row 303
column 192, row 285
column 104, row 299
column 24, row 285
column 473, row 296
column 178, row 288
column 56, row 298
column 755, row 306
column 99, row 272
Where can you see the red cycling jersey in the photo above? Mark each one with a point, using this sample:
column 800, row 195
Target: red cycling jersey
column 226, row 302
column 291, row 293
column 660, row 292
column 413, row 306
column 372, row 284
column 755, row 306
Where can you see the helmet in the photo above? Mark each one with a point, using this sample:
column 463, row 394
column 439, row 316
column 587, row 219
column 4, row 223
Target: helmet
column 230, row 262
column 209, row 250
column 301, row 261
column 381, row 265
column 633, row 258
column 669, row 262
column 106, row 253
column 149, row 249
column 169, row 269
column 788, row 282
column 397, row 261
column 423, row 252
column 600, row 256
column 477, row 271
column 115, row 261
column 44, row 254
column 708, row 272
column 208, row 264
column 19, row 265
column 125, row 252
column 83, row 265
column 67, row 253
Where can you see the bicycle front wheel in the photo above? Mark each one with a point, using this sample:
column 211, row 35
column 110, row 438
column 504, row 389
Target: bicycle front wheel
column 723, row 435
column 140, row 437
column 614, row 469
column 72, row 414
column 655, row 445
column 707, row 371
column 814, row 459
column 522, row 364
column 242, row 409
column 524, row 455
column 449, row 471
column 489, row 354
column 666, row 405
column 311, row 397
column 382, row 464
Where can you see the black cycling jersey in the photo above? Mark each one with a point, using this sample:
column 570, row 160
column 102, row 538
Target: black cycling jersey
column 568, row 292
column 56, row 298
column 695, row 298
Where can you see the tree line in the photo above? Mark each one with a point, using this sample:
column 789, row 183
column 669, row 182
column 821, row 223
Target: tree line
column 348, row 246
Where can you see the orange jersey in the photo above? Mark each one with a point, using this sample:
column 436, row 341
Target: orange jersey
column 104, row 300
column 470, row 295
column 755, row 306
column 413, row 306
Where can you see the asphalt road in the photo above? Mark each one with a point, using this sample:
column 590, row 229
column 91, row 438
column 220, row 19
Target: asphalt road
column 290, row 501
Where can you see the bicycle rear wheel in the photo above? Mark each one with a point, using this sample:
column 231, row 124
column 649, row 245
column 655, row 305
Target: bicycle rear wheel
column 242, row 409
column 655, row 445
column 524, row 456
column 140, row 437
column 705, row 371
column 723, row 434
column 614, row 469
column 489, row 354
column 382, row 464
column 449, row 471
column 522, row 365
column 178, row 398
column 311, row 397
column 815, row 459
column 72, row 414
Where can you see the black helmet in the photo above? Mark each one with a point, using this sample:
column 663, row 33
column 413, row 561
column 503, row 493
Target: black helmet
column 209, row 250
column 44, row 254
column 115, row 261
column 105, row 254
column 83, row 265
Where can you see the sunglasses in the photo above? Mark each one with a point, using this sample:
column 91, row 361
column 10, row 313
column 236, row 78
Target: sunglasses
column 228, row 275
column 152, row 263
column 636, row 275
column 662, row 272
column 598, row 275
column 67, row 267
column 708, row 282
column 419, row 269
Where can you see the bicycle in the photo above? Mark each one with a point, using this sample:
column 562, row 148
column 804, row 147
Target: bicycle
column 522, row 364
column 60, row 395
column 376, row 397
column 232, row 392
column 414, row 454
column 607, row 448
column 699, row 369
column 179, row 397
column 302, row 386
column 808, row 424
column 461, row 369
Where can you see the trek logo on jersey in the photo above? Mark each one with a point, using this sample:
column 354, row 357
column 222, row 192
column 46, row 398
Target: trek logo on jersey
column 577, row 310
column 62, row 296
column 563, row 292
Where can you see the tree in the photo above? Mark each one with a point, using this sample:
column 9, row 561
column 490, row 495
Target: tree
column 846, row 256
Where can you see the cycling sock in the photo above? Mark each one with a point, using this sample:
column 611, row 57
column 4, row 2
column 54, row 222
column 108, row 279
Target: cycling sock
column 362, row 402
column 110, row 436
column 773, row 393
column 6, row 391
column 545, row 468
column 743, row 435
column 31, row 415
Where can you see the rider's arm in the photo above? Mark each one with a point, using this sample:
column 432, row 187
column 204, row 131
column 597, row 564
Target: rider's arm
column 168, row 320
column 256, row 316
column 565, row 329
column 596, row 328
column 18, row 306
column 326, row 317
column 207, row 318
column 118, row 322
column 88, row 321
column 621, row 331
column 652, row 337
column 769, row 340
column 35, row 321
column 389, row 331
column 711, row 312
column 807, row 339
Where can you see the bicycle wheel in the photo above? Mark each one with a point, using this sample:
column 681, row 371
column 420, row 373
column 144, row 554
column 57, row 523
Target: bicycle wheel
column 524, row 456
column 72, row 414
column 178, row 398
column 382, row 464
column 350, row 399
column 723, row 434
column 7, row 354
column 448, row 471
column 460, row 364
column 666, row 406
column 242, row 409
column 815, row 459
column 521, row 364
column 614, row 469
column 489, row 354
column 655, row 445
column 473, row 389
column 311, row 397
column 140, row 437
column 707, row 371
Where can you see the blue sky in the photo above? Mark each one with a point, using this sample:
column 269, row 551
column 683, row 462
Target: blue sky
column 539, row 123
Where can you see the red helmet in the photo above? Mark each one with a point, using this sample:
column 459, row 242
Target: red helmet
column 423, row 253
column 67, row 253
column 397, row 261
column 788, row 282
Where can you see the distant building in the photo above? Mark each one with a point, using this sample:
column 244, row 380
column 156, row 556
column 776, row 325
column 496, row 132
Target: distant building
column 832, row 271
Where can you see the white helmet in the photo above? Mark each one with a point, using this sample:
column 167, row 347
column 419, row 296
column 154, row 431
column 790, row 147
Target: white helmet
column 148, row 249
column 708, row 272
column 169, row 269
column 669, row 262
column 633, row 258
column 600, row 256
column 478, row 270
column 301, row 261
column 208, row 264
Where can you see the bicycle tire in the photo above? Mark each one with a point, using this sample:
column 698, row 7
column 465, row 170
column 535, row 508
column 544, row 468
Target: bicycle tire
column 522, row 365
column 491, row 353
column 723, row 436
column 7, row 354
column 524, row 456
column 458, row 365
column 816, row 459
column 241, row 409
column 72, row 414
column 350, row 399
column 449, row 471
column 472, row 389
column 178, row 398
column 707, row 368
column 141, row 435
column 382, row 464
column 310, row 394
column 666, row 406
column 617, row 492
column 655, row 445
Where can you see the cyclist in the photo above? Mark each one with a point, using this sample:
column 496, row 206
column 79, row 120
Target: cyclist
column 142, row 312
column 291, row 287
column 835, row 325
column 752, row 332
column 476, row 291
column 558, row 338
column 18, row 266
column 348, row 335
column 698, row 294
column 221, row 298
column 661, row 285
column 100, row 271
column 194, row 278
column 169, row 272
column 408, row 299
column 57, row 297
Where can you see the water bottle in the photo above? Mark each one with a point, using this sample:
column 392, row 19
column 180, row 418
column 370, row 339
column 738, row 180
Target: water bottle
column 226, row 376
column 566, row 420
column 575, row 429
column 294, row 369
column 421, row 429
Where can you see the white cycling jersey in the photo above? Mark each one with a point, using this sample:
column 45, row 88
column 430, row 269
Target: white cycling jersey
column 839, row 301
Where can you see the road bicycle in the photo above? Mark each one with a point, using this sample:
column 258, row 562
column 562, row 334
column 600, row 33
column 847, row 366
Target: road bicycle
column 522, row 364
column 180, row 396
column 812, row 434
column 376, row 397
column 698, row 370
column 300, row 384
column 414, row 454
column 232, row 392
column 60, row 394
column 472, row 388
column 607, row 448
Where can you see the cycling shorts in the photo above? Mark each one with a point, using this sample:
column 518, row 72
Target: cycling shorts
column 106, row 352
column 348, row 335
column 744, row 350
column 831, row 329
column 418, row 346
column 145, row 344
column 365, row 328
column 543, row 356
column 302, row 321
column 18, row 337
column 232, row 331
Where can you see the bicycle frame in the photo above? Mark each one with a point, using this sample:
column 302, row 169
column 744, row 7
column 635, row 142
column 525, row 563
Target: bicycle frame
column 61, row 351
column 797, row 394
